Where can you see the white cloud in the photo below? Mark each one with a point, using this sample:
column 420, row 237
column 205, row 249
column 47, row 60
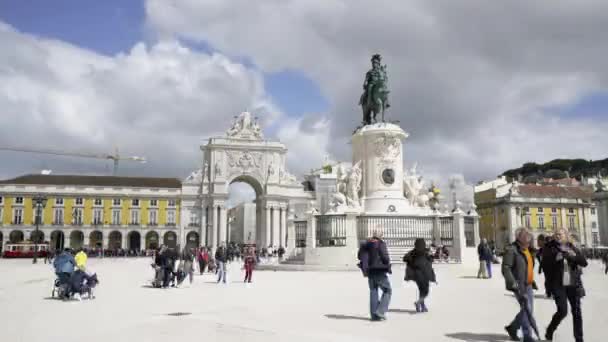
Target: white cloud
column 472, row 81
column 157, row 100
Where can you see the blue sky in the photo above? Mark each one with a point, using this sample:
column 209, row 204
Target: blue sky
column 112, row 26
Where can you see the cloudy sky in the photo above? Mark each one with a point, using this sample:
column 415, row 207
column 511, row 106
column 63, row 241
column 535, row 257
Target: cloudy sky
column 481, row 86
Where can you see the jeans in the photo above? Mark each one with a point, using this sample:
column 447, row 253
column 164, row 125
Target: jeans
column 483, row 267
column 221, row 272
column 379, row 308
column 521, row 319
column 489, row 268
column 562, row 296
column 248, row 273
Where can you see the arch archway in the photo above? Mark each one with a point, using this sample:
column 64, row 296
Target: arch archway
column 57, row 240
column 134, row 239
column 15, row 236
column 170, row 240
column 96, row 239
column 37, row 236
column 152, row 240
column 76, row 239
column 115, row 240
column 192, row 240
column 246, row 216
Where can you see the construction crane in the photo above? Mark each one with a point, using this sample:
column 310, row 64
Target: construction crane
column 115, row 157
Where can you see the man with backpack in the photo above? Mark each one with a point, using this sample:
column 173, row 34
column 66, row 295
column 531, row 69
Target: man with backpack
column 375, row 264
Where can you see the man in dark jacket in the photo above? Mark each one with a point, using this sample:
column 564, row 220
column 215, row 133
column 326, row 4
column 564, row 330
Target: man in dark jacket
column 485, row 260
column 375, row 265
column 518, row 271
column 220, row 259
column 562, row 263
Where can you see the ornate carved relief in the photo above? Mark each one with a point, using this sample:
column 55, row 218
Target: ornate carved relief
column 244, row 160
column 388, row 147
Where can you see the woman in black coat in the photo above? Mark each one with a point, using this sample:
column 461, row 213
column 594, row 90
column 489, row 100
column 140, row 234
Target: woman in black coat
column 420, row 269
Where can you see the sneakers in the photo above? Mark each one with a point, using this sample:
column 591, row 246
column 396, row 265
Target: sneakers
column 423, row 307
column 418, row 307
column 529, row 339
column 512, row 333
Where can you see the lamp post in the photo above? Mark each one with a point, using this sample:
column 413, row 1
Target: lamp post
column 38, row 202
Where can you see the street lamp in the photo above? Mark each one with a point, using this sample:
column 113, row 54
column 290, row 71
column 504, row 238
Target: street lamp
column 38, row 203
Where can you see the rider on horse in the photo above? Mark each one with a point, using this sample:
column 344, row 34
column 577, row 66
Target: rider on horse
column 375, row 96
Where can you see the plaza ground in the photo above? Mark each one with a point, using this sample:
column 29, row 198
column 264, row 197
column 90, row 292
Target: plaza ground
column 280, row 306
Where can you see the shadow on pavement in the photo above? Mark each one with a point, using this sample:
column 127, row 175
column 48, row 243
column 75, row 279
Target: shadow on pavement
column 411, row 312
column 536, row 296
column 343, row 317
column 471, row 337
column 472, row 277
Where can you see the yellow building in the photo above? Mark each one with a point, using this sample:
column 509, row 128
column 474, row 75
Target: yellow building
column 503, row 207
column 131, row 213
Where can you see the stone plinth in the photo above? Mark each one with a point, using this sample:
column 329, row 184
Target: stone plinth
column 379, row 149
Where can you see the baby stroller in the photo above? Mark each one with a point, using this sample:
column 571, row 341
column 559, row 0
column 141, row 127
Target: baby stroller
column 159, row 275
column 61, row 286
column 79, row 283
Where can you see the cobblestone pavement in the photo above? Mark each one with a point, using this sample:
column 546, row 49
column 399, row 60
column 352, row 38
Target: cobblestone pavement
column 279, row 306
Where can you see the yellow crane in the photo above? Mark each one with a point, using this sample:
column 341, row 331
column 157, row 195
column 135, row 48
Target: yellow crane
column 115, row 157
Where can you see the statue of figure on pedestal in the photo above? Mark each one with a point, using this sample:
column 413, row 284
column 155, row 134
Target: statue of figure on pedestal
column 374, row 99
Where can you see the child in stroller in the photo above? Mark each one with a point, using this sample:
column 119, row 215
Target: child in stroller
column 77, row 285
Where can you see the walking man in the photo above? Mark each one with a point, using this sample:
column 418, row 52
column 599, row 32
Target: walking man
column 562, row 264
column 221, row 258
column 485, row 257
column 375, row 265
column 518, row 271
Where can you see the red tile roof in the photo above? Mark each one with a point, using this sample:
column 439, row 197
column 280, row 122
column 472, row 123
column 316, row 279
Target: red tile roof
column 137, row 182
column 554, row 191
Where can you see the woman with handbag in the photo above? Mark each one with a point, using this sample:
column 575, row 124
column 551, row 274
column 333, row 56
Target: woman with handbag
column 562, row 263
column 420, row 269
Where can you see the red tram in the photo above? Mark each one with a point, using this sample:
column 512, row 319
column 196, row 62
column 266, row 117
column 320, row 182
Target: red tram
column 24, row 249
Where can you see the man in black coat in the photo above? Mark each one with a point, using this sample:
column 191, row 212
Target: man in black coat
column 375, row 265
column 221, row 257
column 562, row 264
column 518, row 271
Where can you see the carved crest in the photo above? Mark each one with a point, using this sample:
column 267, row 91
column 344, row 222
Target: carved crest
column 387, row 147
column 246, row 160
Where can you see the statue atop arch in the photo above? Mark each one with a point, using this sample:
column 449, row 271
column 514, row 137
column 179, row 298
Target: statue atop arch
column 374, row 99
column 245, row 128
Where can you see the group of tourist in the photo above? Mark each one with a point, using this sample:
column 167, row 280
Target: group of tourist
column 374, row 262
column 72, row 275
column 559, row 259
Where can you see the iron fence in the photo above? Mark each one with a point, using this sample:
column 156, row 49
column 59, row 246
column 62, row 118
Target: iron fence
column 469, row 231
column 331, row 230
column 399, row 231
column 446, row 231
column 301, row 227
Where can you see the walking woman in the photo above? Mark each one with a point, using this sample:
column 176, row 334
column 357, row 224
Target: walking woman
column 250, row 261
column 562, row 264
column 420, row 269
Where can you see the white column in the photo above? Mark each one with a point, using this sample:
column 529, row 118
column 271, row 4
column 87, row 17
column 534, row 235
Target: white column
column 268, row 222
column 458, row 234
column 223, row 226
column 142, row 240
column 203, row 229
column 276, row 222
column 283, row 233
column 124, row 240
column 212, row 227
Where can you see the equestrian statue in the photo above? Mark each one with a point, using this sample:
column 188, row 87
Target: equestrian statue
column 374, row 99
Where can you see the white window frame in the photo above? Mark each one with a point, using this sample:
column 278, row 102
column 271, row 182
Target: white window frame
column 19, row 200
column 115, row 201
column 571, row 222
column 133, row 202
column 541, row 222
column 58, row 220
column 194, row 218
column 570, row 210
column 59, row 201
column 76, row 200
column 153, row 217
column 527, row 222
column 77, row 216
column 554, row 210
column 592, row 211
column 170, row 217
column 116, row 217
column 154, row 203
column 97, row 216
column 540, row 210
column 135, row 217
column 18, row 219
column 95, row 202
column 554, row 221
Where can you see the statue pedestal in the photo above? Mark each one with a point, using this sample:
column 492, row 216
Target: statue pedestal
column 379, row 149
